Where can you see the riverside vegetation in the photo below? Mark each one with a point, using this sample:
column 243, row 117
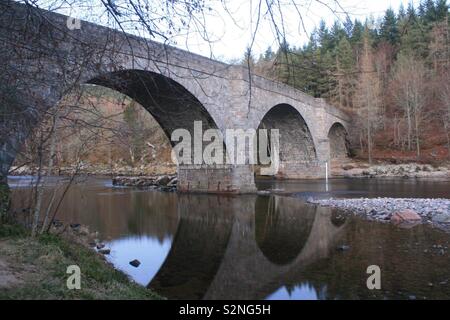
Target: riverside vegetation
column 35, row 268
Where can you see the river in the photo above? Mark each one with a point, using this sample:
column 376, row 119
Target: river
column 261, row 247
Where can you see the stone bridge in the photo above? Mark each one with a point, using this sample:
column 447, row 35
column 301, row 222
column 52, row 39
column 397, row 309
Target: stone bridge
column 43, row 60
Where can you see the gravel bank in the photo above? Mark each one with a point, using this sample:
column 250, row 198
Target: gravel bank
column 382, row 209
column 410, row 170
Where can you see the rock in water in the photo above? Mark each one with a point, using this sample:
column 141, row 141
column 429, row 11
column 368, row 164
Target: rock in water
column 406, row 218
column 162, row 181
column 135, row 263
column 104, row 251
column 173, row 182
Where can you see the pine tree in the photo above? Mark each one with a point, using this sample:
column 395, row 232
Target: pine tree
column 441, row 10
column 348, row 27
column 268, row 54
column 430, row 12
column 401, row 12
column 324, row 37
column 389, row 28
column 414, row 36
column 344, row 73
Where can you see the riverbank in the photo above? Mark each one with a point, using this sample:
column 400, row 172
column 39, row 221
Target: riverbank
column 435, row 211
column 162, row 175
column 35, row 268
column 353, row 169
column 101, row 170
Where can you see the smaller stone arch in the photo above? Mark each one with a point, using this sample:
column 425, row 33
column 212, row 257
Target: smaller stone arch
column 297, row 150
column 339, row 145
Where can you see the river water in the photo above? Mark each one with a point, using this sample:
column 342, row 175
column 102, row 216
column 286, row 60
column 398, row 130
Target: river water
column 261, row 247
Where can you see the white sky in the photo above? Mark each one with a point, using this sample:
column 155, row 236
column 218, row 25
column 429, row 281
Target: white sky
column 231, row 33
column 231, row 38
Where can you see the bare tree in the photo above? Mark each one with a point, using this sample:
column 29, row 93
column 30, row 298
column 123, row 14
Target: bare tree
column 409, row 91
column 444, row 110
column 368, row 97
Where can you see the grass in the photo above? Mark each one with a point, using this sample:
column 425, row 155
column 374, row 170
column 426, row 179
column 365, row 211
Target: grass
column 40, row 264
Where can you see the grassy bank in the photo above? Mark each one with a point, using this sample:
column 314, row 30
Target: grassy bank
column 35, row 268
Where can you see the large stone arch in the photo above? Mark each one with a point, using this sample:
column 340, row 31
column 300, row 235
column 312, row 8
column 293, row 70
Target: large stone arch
column 337, row 137
column 170, row 103
column 297, row 150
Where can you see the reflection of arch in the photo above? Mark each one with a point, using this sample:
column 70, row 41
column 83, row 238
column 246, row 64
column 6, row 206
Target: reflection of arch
column 197, row 250
column 171, row 104
column 337, row 135
column 296, row 142
column 281, row 231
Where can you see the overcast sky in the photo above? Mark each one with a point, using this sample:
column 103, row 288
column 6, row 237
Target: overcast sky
column 231, row 38
column 230, row 30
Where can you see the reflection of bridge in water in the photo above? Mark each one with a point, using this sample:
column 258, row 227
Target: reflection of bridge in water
column 243, row 248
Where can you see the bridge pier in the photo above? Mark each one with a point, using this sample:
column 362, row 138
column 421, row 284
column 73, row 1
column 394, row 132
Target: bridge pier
column 233, row 179
column 301, row 170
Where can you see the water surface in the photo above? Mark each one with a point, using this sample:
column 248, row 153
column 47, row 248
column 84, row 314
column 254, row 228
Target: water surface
column 261, row 247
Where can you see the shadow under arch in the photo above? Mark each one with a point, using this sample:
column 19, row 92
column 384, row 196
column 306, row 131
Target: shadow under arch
column 170, row 103
column 339, row 145
column 282, row 227
column 297, row 150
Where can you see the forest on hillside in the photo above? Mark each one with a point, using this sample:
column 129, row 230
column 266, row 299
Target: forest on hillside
column 391, row 74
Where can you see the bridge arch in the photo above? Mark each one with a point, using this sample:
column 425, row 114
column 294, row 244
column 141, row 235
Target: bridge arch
column 297, row 148
column 337, row 137
column 170, row 103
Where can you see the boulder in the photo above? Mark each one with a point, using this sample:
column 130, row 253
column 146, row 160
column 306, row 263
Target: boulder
column 135, row 263
column 162, row 181
column 100, row 246
column 173, row 182
column 406, row 216
column 104, row 251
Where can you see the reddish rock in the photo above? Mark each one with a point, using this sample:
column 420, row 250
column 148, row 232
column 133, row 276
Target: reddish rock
column 405, row 217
